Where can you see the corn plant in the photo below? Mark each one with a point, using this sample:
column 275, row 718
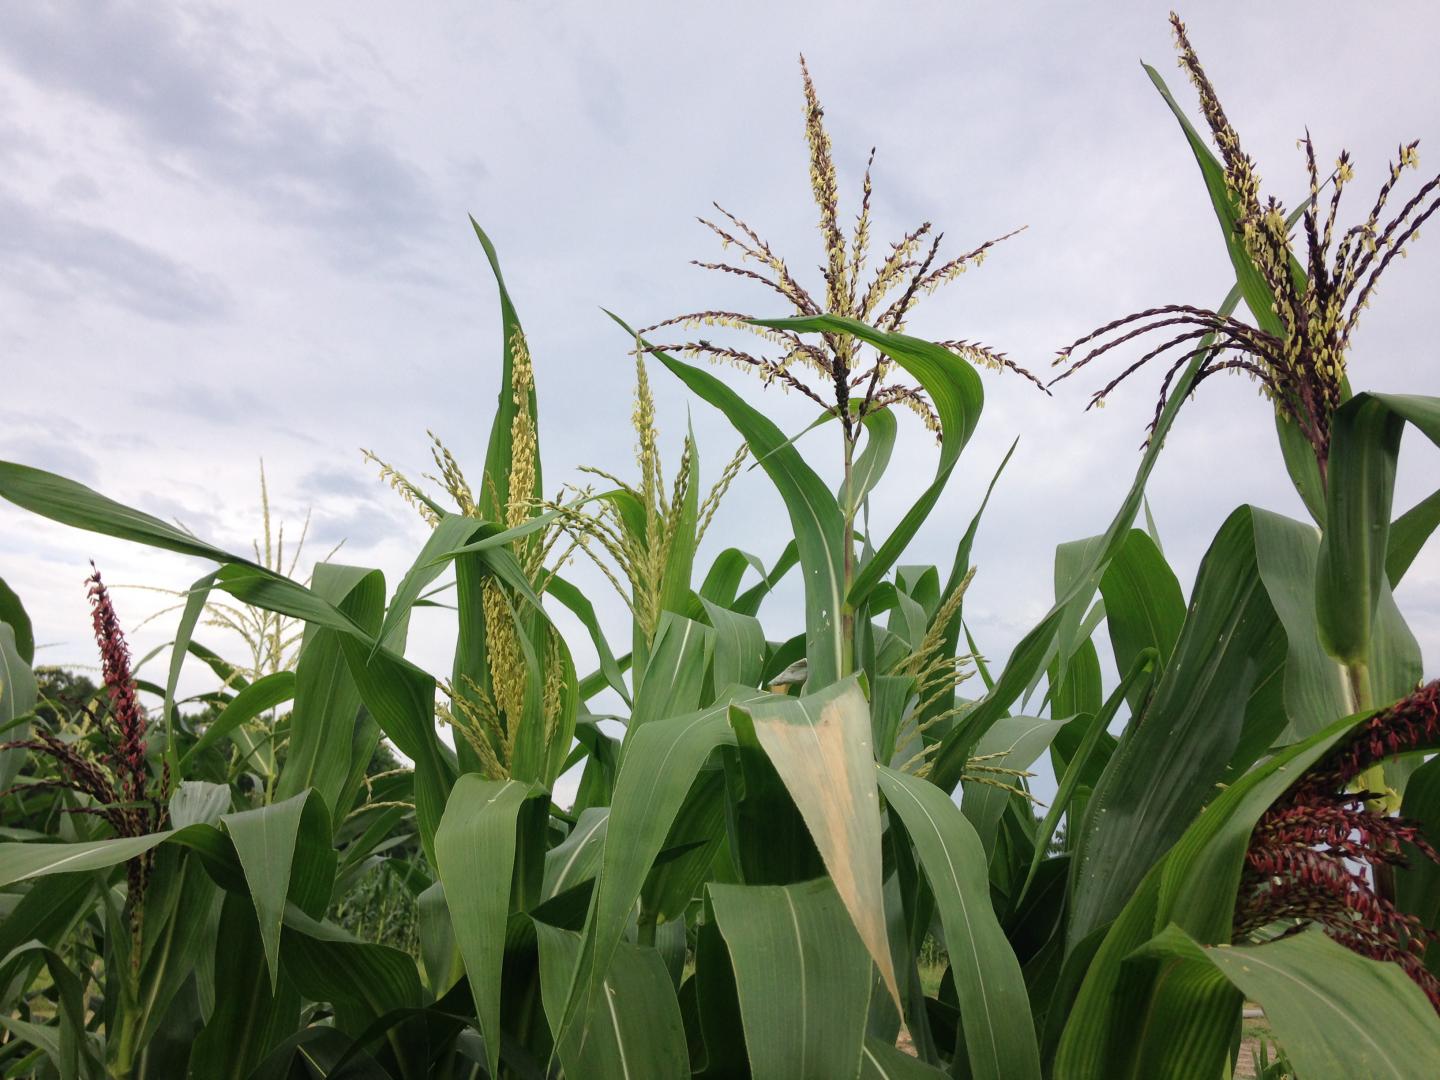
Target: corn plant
column 760, row 875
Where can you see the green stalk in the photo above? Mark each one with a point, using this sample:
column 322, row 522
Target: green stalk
column 127, row 1020
column 847, row 611
column 645, row 928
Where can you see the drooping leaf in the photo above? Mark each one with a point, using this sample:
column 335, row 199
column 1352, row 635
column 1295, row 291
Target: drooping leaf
column 73, row 504
column 267, row 842
column 820, row 744
column 583, row 610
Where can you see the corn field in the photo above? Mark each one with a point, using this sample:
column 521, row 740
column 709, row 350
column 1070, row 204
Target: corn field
column 337, row 864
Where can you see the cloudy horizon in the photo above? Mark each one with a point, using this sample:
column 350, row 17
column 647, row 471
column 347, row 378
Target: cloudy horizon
column 230, row 234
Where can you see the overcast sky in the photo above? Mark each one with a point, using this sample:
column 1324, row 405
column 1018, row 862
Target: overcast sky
column 238, row 232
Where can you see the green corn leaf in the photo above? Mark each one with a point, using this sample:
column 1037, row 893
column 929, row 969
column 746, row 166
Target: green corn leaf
column 21, row 861
column 495, row 488
column 674, row 678
column 694, row 838
column 999, row 1036
column 820, row 744
column 327, row 701
column 264, row 693
column 636, row 1031
column 47, row 912
column 73, row 504
column 1201, row 875
column 872, row 461
column 196, row 802
column 12, row 611
column 439, row 955
column 577, row 858
column 195, row 601
column 1335, row 1013
column 722, row 580
column 364, row 982
column 1166, row 768
column 1144, row 607
column 958, row 395
column 18, row 694
column 1134, row 685
column 1417, row 886
column 1365, row 444
column 268, row 843
column 225, row 671
column 1408, row 534
column 748, row 602
column 814, row 515
column 803, row 978
column 580, row 606
column 449, row 537
column 180, row 934
column 739, row 647
column 880, row 1060
column 249, row 1018
column 959, row 568
column 1195, row 887
column 475, row 858
column 67, row 1045
column 1019, row 740
column 1286, row 553
column 1352, row 573
column 661, row 762
column 1186, row 1027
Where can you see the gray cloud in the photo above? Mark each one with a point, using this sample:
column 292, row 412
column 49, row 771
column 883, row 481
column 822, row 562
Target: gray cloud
column 57, row 259
column 235, row 107
column 62, row 451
